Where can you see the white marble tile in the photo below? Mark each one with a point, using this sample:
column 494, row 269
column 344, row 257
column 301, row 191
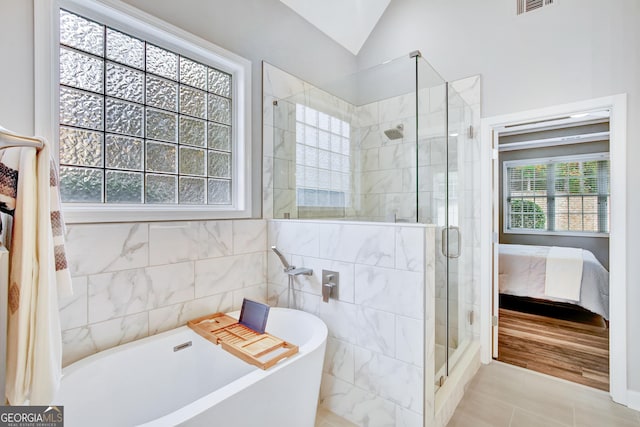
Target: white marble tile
column 396, row 291
column 400, row 206
column 182, row 241
column 407, row 418
column 268, row 132
column 171, row 283
column 284, row 203
column 410, row 243
column 81, row 342
column 218, row 275
column 279, row 83
column 281, row 174
column 294, row 237
column 368, row 114
column 73, row 309
column 340, row 317
column 284, row 144
column 355, row 404
column 120, row 331
column 338, row 360
column 132, row 291
column 468, row 89
column 117, row 294
column 284, row 115
column 376, row 330
column 76, row 344
column 170, row 317
column 371, row 137
column 267, row 197
column 397, row 108
column 312, row 304
column 267, row 109
column 256, row 293
column 389, row 378
column 383, row 181
column 363, row 244
column 277, row 295
column 371, row 159
column 275, row 269
column 397, row 156
column 409, row 340
column 249, row 235
column 313, row 284
column 120, row 247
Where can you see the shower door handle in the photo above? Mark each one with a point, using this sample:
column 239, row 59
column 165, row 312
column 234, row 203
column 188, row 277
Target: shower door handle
column 444, row 236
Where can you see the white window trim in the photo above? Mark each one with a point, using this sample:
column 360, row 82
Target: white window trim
column 140, row 24
column 541, row 161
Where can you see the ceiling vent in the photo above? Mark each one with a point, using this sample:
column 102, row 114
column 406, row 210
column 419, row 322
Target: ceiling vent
column 529, row 5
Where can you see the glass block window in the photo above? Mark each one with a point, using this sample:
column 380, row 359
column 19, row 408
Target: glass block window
column 558, row 194
column 140, row 124
column 323, row 163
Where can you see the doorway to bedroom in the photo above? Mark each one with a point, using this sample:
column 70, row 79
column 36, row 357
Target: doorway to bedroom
column 553, row 251
column 531, row 206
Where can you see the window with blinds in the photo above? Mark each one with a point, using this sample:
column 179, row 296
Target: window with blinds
column 569, row 195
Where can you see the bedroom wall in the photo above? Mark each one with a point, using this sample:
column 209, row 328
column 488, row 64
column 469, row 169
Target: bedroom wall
column 598, row 245
column 572, row 51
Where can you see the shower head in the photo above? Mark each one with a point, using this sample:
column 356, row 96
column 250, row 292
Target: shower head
column 283, row 260
column 396, row 132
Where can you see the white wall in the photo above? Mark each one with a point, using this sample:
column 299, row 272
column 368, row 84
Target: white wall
column 16, row 69
column 258, row 30
column 255, row 29
column 575, row 50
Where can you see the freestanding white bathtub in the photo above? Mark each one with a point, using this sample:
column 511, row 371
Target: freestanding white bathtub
column 147, row 383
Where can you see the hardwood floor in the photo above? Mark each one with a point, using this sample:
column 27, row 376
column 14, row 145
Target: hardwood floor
column 575, row 350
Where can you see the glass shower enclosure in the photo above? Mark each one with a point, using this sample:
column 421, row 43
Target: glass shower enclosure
column 387, row 144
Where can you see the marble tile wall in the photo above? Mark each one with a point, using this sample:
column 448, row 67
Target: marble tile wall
column 279, row 135
column 373, row 372
column 133, row 280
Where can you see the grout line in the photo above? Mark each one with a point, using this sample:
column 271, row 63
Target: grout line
column 513, row 412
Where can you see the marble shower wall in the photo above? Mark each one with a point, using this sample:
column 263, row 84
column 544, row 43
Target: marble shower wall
column 373, row 371
column 133, row 280
column 279, row 136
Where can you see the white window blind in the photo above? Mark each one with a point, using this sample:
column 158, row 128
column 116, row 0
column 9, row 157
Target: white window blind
column 569, row 195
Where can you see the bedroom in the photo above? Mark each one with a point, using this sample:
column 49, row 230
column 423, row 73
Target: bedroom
column 553, row 264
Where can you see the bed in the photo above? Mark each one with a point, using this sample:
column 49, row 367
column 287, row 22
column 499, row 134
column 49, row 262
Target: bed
column 522, row 273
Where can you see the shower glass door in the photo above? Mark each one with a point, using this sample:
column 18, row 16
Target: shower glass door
column 445, row 202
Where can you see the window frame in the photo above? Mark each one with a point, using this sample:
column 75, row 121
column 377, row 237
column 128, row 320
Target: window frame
column 546, row 160
column 139, row 24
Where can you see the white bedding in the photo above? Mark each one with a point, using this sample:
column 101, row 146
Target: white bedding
column 522, row 272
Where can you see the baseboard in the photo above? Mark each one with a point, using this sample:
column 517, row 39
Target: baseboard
column 633, row 399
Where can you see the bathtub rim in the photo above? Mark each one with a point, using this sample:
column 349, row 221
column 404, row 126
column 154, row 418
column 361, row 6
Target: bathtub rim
column 317, row 340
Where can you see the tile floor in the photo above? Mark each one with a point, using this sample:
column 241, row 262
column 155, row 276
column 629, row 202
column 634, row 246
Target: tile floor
column 327, row 418
column 502, row 395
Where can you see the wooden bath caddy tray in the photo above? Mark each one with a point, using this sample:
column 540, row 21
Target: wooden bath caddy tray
column 261, row 350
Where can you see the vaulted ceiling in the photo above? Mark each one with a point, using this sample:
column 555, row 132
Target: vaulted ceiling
column 348, row 22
